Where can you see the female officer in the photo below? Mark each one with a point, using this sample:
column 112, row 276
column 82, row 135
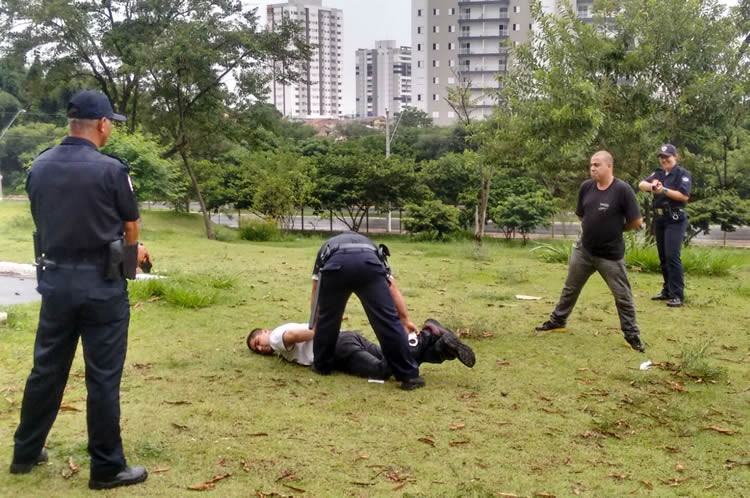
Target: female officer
column 670, row 185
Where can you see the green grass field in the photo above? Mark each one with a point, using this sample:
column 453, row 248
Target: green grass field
column 562, row 414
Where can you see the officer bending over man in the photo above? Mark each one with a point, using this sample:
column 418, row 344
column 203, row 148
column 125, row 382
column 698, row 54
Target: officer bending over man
column 606, row 206
column 83, row 204
column 356, row 355
column 351, row 263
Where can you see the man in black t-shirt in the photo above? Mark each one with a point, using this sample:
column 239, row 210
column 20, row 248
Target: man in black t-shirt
column 606, row 207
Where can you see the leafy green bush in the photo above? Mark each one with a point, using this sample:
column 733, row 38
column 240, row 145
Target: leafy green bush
column 523, row 213
column 645, row 258
column 260, row 231
column 694, row 363
column 185, row 292
column 433, row 220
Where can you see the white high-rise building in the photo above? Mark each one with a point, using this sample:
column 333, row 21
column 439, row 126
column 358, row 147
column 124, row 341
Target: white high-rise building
column 467, row 42
column 383, row 79
column 319, row 95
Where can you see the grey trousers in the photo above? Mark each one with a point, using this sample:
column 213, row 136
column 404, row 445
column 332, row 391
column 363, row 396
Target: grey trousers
column 581, row 266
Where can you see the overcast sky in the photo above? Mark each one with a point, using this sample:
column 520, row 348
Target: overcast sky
column 366, row 21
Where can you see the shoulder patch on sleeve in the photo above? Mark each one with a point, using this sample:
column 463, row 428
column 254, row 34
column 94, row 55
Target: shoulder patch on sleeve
column 120, row 160
column 685, row 179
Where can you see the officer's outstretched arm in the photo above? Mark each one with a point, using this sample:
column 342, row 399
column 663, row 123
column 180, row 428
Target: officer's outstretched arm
column 403, row 312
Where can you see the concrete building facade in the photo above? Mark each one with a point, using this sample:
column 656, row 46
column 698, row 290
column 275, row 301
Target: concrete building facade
column 320, row 94
column 383, row 77
column 467, row 42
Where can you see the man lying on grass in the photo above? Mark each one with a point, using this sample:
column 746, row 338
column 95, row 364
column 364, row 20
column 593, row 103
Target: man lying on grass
column 354, row 353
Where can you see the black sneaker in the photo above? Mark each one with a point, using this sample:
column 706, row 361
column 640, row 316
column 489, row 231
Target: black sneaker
column 660, row 297
column 636, row 343
column 127, row 477
column 25, row 468
column 413, row 383
column 550, row 326
column 675, row 302
column 452, row 346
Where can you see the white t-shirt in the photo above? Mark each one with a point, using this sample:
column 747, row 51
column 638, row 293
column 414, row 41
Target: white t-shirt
column 301, row 353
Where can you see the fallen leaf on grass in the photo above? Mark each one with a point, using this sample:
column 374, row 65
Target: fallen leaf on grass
column 459, row 443
column 648, row 484
column 363, row 456
column 730, row 464
column 675, row 481
column 502, row 363
column 178, row 402
column 427, row 440
column 720, row 430
column 69, row 408
column 258, row 434
column 71, row 470
column 287, row 475
column 618, row 476
column 522, row 297
column 399, row 486
column 272, row 494
column 179, row 427
column 456, row 426
column 506, row 495
column 676, row 386
column 298, row 490
column 359, row 483
column 679, row 467
column 210, row 484
column 542, row 494
column 160, row 470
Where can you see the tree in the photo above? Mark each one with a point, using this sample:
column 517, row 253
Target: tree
column 460, row 98
column 523, row 213
column 432, row 219
column 411, row 117
column 725, row 209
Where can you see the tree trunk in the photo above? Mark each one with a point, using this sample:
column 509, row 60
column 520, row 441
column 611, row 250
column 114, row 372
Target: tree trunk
column 483, row 201
column 206, row 216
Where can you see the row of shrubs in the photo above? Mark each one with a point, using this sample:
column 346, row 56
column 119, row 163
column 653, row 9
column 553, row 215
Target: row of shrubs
column 640, row 256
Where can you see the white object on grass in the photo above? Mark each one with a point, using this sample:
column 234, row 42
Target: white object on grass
column 376, row 381
column 521, row 297
column 646, row 365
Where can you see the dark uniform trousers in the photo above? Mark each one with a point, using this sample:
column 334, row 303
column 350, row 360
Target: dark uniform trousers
column 359, row 271
column 669, row 235
column 356, row 355
column 77, row 302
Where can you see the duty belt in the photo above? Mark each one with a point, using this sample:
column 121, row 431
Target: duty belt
column 673, row 213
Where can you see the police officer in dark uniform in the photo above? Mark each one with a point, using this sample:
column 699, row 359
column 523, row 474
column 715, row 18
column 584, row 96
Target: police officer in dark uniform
column 351, row 263
column 671, row 185
column 86, row 215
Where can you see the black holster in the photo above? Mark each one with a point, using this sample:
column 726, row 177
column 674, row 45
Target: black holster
column 122, row 260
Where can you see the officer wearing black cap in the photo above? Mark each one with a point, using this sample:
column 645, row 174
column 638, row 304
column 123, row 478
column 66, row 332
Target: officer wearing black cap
column 671, row 185
column 351, row 263
column 83, row 207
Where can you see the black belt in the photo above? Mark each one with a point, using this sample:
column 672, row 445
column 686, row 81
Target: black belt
column 668, row 211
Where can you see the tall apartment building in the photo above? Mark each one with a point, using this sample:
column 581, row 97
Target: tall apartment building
column 456, row 41
column 383, row 79
column 320, row 94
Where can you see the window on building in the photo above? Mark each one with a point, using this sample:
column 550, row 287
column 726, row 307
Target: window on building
column 451, row 114
column 516, row 27
column 451, row 45
column 419, row 47
column 452, row 11
column 503, row 29
column 419, row 12
column 435, row 12
column 452, row 63
column 435, row 115
column 435, row 63
column 584, row 11
column 451, row 28
column 516, row 9
column 435, row 46
column 451, row 80
column 436, row 29
column 419, row 63
column 419, row 97
column 435, row 97
column 435, row 80
column 419, row 30
column 503, row 11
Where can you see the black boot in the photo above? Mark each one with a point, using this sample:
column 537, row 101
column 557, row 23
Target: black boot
column 127, row 477
column 25, row 468
column 452, row 347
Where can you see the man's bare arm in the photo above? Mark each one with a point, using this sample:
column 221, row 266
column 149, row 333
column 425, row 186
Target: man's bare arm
column 132, row 231
column 292, row 337
column 636, row 224
column 401, row 309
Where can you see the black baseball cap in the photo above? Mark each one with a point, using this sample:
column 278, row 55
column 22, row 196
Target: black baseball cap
column 90, row 104
column 667, row 150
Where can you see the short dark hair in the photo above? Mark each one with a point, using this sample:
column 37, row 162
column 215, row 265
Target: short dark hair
column 252, row 336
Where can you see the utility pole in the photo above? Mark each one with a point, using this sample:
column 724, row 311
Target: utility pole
column 387, row 155
column 2, row 134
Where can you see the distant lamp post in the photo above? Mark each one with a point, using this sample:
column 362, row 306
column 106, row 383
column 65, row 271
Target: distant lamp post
column 2, row 134
column 388, row 137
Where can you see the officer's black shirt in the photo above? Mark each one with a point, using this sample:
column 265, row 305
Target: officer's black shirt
column 678, row 179
column 80, row 198
column 604, row 214
column 336, row 241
